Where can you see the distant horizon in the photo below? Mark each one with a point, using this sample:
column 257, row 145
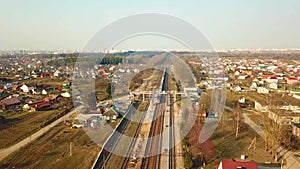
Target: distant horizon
column 34, row 52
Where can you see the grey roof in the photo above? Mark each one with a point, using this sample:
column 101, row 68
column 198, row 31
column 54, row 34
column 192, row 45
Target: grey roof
column 297, row 125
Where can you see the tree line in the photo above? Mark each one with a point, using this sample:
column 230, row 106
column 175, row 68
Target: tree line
column 107, row 60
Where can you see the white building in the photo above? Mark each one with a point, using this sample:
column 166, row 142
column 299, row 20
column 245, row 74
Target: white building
column 24, row 88
column 262, row 90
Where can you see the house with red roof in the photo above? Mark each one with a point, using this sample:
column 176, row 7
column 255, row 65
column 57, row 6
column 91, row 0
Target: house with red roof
column 292, row 80
column 10, row 104
column 233, row 164
column 270, row 78
column 40, row 105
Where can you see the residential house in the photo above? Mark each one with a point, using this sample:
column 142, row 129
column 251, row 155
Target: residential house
column 242, row 77
column 253, row 85
column 237, row 73
column 15, row 87
column 270, row 79
column 261, row 83
column 292, row 81
column 110, row 114
column 57, row 73
column 260, row 107
column 242, row 100
column 66, row 94
column 3, row 94
column 76, row 123
column 237, row 89
column 10, row 104
column 45, row 75
column 273, row 86
column 24, row 88
column 44, row 92
column 296, row 129
column 233, row 164
column 262, row 90
column 283, row 117
column 8, row 86
column 255, row 80
column 43, row 104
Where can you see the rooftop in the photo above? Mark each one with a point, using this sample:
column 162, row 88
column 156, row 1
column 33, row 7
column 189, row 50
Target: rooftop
column 232, row 164
column 10, row 101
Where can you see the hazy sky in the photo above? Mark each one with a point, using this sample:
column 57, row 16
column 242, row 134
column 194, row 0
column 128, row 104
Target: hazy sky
column 68, row 24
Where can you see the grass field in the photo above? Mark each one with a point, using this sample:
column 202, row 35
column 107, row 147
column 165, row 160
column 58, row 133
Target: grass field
column 228, row 147
column 273, row 98
column 138, row 80
column 47, row 81
column 52, row 150
column 18, row 126
column 147, row 79
column 223, row 144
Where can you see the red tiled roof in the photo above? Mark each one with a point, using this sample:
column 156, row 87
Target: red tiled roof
column 292, row 78
column 39, row 104
column 232, row 164
column 15, row 86
column 265, row 76
column 10, row 101
column 273, row 77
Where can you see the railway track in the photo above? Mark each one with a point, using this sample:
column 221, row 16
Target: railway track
column 109, row 146
column 132, row 144
column 153, row 151
column 153, row 148
column 172, row 151
column 129, row 153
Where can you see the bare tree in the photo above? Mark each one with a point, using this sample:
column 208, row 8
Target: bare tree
column 237, row 117
column 274, row 132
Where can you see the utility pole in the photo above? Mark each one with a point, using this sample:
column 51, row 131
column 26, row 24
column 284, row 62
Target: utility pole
column 71, row 144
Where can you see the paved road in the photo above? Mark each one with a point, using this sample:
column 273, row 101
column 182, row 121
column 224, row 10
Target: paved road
column 7, row 151
column 291, row 161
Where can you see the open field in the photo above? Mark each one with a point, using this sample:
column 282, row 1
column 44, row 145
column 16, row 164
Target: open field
column 232, row 98
column 138, row 80
column 47, row 81
column 147, row 79
column 223, row 144
column 15, row 127
column 52, row 150
column 228, row 147
column 102, row 89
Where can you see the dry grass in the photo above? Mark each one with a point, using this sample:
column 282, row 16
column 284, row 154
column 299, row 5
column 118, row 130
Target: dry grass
column 52, row 151
column 224, row 145
column 19, row 126
column 138, row 80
